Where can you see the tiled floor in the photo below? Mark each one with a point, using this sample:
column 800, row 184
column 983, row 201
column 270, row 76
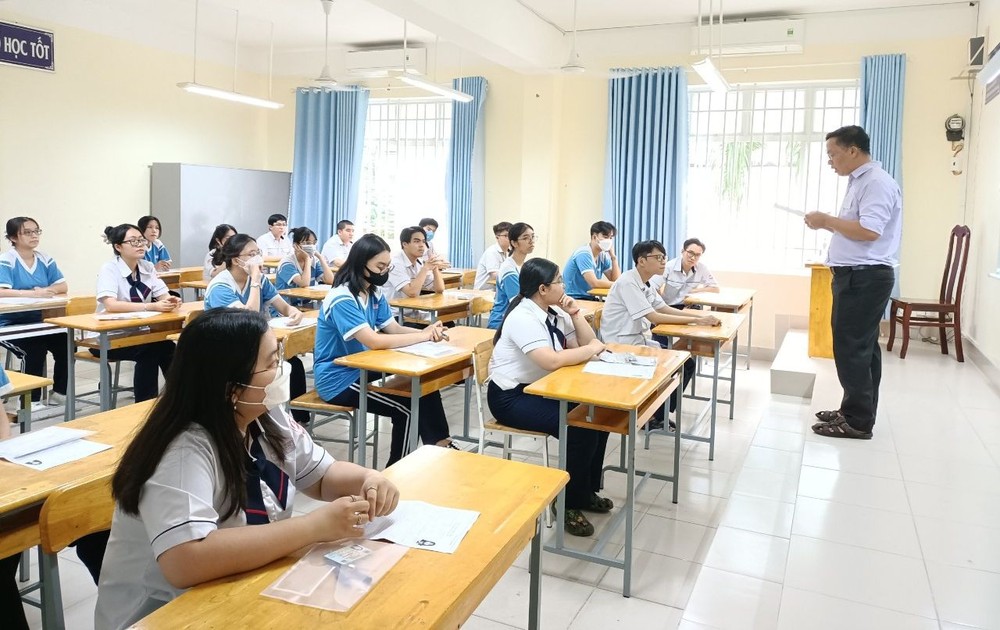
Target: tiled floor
column 784, row 529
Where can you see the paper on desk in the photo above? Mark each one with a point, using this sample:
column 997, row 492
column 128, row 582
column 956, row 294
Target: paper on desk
column 282, row 322
column 458, row 294
column 34, row 441
column 133, row 315
column 431, row 349
column 625, row 357
column 421, row 525
column 62, row 454
column 620, row 369
column 29, row 300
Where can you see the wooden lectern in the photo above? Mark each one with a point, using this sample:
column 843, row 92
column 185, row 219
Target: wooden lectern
column 820, row 307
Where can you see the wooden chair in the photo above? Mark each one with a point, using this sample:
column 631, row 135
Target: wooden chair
column 69, row 513
column 85, row 305
column 946, row 311
column 468, row 279
column 314, row 404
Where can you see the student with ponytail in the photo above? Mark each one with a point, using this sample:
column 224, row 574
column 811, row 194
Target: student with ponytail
column 521, row 237
column 542, row 331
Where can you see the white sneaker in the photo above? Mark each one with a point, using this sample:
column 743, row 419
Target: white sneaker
column 56, row 399
column 38, row 406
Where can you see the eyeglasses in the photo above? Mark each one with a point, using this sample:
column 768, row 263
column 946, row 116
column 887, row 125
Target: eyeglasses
column 37, row 232
column 558, row 280
column 532, row 238
column 137, row 242
column 382, row 268
column 693, row 254
column 255, row 252
column 503, row 235
column 656, row 257
column 279, row 224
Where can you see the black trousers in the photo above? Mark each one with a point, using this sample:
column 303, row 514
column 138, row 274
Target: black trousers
column 859, row 301
column 433, row 424
column 149, row 358
column 585, row 448
column 34, row 350
column 297, row 387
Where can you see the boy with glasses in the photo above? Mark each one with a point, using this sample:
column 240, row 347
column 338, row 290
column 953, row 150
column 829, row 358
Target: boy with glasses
column 684, row 275
column 273, row 243
column 494, row 255
column 594, row 265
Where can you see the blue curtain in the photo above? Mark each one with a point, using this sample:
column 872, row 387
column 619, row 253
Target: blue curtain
column 326, row 171
column 464, row 185
column 882, row 81
column 647, row 158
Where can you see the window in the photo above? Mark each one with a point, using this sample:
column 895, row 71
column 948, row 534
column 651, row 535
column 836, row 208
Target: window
column 758, row 160
column 404, row 166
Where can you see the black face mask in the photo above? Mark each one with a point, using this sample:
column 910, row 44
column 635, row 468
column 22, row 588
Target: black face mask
column 377, row 279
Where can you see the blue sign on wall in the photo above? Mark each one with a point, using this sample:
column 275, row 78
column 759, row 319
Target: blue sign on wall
column 28, row 47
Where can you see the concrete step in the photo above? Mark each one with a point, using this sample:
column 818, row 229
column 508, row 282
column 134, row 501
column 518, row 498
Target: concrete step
column 793, row 373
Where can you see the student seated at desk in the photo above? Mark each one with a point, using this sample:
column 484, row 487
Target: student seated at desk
column 411, row 273
column 223, row 232
column 157, row 252
column 543, row 331
column 216, row 454
column 685, row 275
column 26, row 272
column 522, row 242
column 355, row 316
column 430, row 227
column 304, row 267
column 633, row 307
column 338, row 246
column 593, row 266
column 129, row 283
column 273, row 243
column 243, row 285
column 493, row 257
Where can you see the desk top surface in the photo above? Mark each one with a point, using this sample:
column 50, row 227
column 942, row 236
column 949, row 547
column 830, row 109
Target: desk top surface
column 726, row 298
column 89, row 323
column 23, row 486
column 424, row 589
column 316, row 292
column 601, row 292
column 194, row 284
column 25, row 382
column 731, row 323
column 16, row 305
column 571, row 383
column 431, row 302
column 396, row 362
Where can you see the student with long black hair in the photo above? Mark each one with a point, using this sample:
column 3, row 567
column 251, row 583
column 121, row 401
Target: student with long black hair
column 156, row 252
column 542, row 331
column 222, row 233
column 206, row 488
column 521, row 237
column 129, row 283
column 355, row 316
column 304, row 267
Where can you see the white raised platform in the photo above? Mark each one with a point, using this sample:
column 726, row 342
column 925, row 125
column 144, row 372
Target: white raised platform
column 793, row 372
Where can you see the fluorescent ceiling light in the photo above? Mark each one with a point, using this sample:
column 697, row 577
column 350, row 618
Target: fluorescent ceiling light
column 711, row 75
column 440, row 90
column 236, row 97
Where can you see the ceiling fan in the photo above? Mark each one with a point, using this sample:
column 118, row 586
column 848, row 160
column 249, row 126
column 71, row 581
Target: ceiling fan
column 325, row 80
column 573, row 65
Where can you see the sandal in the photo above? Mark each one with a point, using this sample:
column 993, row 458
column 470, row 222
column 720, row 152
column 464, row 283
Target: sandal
column 828, row 416
column 840, row 429
column 601, row 505
column 576, row 524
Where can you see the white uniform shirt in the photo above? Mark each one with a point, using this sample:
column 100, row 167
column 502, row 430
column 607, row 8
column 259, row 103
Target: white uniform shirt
column 111, row 281
column 403, row 272
column 271, row 247
column 678, row 283
column 181, row 503
column 625, row 309
column 488, row 263
column 525, row 330
column 336, row 249
column 208, row 265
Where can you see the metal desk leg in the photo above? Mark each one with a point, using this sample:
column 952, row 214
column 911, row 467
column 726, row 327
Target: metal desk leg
column 363, row 420
column 677, row 437
column 24, row 412
column 70, row 412
column 105, row 380
column 561, row 502
column 413, row 426
column 750, row 333
column 629, row 504
column 535, row 577
column 732, row 376
column 716, row 351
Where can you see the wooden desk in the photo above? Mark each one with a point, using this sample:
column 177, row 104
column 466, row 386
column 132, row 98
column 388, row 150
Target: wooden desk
column 7, row 307
column 160, row 326
column 617, row 405
column 170, row 278
column 600, row 294
column 482, row 300
column 294, row 341
column 590, row 308
column 452, row 278
column 190, row 274
column 315, row 293
column 272, row 262
column 707, row 341
column 446, row 308
column 199, row 287
column 729, row 300
column 424, row 589
column 820, row 311
column 22, row 386
column 416, row 377
column 24, row 490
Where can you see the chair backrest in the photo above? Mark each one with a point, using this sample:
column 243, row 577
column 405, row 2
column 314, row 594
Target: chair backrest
column 597, row 321
column 481, row 360
column 468, row 279
column 81, row 305
column 73, row 511
column 954, row 267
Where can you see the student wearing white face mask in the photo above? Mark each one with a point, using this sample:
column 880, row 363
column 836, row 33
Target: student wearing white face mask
column 304, row 267
column 593, row 266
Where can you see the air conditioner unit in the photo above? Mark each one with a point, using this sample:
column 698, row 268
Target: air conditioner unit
column 751, row 37
column 380, row 62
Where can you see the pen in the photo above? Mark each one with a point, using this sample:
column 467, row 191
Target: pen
column 445, row 336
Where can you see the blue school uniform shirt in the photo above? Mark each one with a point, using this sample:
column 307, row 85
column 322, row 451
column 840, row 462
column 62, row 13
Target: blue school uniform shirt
column 223, row 291
column 5, row 385
column 508, row 286
column 288, row 268
column 583, row 260
column 341, row 316
column 157, row 251
column 15, row 275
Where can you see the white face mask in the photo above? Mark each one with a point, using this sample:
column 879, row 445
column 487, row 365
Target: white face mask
column 250, row 263
column 277, row 392
column 605, row 244
column 309, row 249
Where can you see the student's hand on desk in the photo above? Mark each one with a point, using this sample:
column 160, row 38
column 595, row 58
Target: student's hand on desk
column 165, row 305
column 435, row 332
column 597, row 346
column 343, row 518
column 163, row 265
column 709, row 320
column 294, row 316
column 43, row 292
column 382, row 494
